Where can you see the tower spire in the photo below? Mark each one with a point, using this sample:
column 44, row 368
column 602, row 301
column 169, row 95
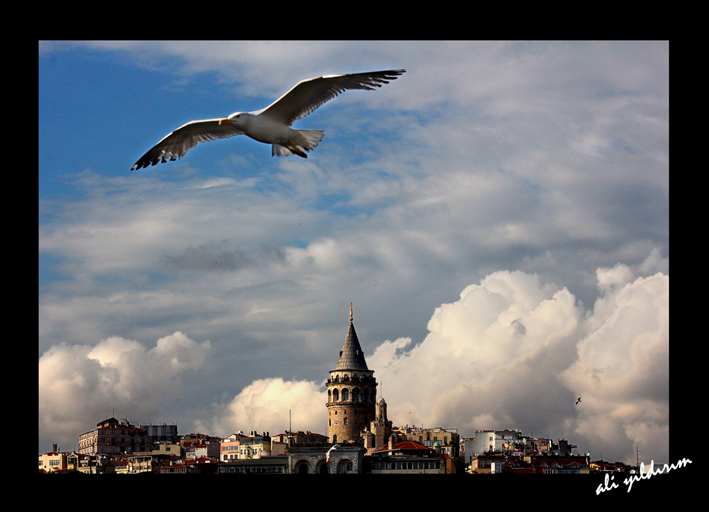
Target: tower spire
column 351, row 312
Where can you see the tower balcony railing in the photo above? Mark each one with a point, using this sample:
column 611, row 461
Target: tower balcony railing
column 347, row 378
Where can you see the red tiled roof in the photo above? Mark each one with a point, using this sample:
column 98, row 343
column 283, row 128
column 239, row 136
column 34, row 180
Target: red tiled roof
column 404, row 446
column 200, row 460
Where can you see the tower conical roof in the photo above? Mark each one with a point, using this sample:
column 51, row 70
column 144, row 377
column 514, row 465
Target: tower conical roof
column 351, row 355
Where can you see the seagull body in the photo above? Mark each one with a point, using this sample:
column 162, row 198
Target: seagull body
column 577, row 401
column 271, row 125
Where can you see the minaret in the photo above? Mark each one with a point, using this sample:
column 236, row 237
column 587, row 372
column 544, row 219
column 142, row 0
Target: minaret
column 351, row 392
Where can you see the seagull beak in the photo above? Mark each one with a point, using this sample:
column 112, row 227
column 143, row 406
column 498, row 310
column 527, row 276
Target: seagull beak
column 224, row 121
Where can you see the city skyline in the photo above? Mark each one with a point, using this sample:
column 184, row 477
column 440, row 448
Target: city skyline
column 498, row 216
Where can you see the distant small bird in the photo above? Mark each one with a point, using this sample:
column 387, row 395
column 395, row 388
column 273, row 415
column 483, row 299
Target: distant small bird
column 270, row 125
column 577, row 401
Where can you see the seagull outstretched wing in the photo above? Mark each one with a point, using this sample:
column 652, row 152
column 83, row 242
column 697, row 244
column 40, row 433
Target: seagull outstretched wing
column 176, row 144
column 308, row 95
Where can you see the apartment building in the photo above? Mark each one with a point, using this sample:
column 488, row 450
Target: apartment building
column 113, row 437
column 53, row 461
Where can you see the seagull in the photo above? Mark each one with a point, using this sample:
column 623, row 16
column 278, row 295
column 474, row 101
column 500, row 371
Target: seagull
column 271, row 125
column 327, row 455
column 578, row 400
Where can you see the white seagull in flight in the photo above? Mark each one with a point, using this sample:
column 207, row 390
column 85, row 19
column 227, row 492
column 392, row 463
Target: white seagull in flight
column 271, row 125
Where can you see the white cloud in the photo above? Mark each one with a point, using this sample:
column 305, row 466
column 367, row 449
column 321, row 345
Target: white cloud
column 622, row 369
column 81, row 384
column 515, row 353
column 271, row 405
column 507, row 320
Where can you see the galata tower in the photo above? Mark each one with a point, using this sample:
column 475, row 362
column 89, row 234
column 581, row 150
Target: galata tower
column 351, row 393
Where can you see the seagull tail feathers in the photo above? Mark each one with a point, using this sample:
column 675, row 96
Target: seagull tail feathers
column 300, row 142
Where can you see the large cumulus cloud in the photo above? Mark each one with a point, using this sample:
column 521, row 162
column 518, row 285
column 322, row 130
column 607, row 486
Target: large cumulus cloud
column 622, row 368
column 514, row 352
column 489, row 359
column 81, row 384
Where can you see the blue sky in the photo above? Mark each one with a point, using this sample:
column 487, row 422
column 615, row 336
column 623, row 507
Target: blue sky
column 498, row 216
